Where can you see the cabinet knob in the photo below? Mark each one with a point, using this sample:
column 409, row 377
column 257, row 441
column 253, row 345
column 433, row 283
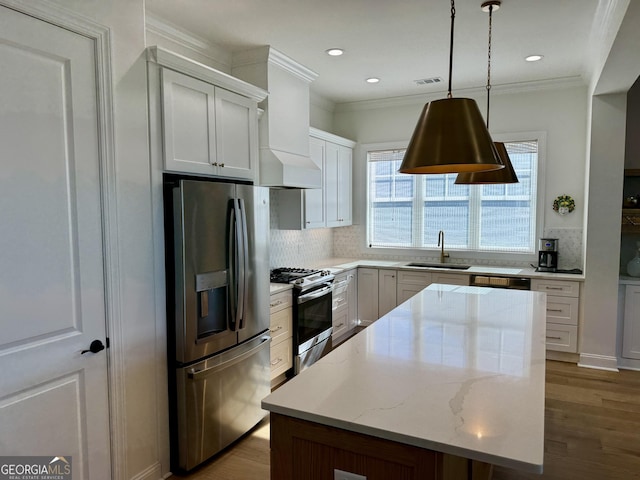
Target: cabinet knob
column 215, row 164
column 222, row 165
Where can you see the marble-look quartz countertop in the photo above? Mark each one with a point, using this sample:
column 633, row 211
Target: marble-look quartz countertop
column 337, row 265
column 455, row 369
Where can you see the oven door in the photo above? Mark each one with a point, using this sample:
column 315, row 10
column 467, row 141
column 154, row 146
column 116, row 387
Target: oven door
column 312, row 316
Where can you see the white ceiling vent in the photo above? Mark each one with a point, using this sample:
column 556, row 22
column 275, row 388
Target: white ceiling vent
column 428, row 81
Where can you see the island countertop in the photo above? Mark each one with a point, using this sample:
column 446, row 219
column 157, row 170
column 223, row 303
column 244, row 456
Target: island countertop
column 454, row 369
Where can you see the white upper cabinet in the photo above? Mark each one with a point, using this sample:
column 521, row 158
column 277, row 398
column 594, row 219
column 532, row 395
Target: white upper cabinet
column 236, row 134
column 329, row 206
column 204, row 126
column 314, row 198
column 188, row 123
column 337, row 184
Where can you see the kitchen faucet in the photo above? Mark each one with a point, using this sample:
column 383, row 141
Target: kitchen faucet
column 441, row 245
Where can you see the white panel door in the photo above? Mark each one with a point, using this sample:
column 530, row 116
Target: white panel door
column 53, row 399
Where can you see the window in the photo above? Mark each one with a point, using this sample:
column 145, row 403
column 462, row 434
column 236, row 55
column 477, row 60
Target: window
column 408, row 211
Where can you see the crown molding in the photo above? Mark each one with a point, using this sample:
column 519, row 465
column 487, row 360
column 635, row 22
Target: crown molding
column 188, row 40
column 268, row 54
column 331, row 137
column 203, row 72
column 498, row 89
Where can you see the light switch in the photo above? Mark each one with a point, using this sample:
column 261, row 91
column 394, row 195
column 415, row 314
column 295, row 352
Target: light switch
column 341, row 475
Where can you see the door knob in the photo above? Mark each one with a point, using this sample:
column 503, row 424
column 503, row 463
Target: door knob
column 95, row 347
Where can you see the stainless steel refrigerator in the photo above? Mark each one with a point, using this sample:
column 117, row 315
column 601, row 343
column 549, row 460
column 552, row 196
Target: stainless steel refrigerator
column 217, row 236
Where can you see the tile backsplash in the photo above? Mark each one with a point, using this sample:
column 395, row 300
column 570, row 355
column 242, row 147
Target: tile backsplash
column 347, row 244
column 301, row 248
column 297, row 248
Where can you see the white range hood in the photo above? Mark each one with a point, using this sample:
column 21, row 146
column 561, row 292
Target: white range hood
column 284, row 125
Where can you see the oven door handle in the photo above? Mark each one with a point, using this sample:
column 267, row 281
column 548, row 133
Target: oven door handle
column 314, row 294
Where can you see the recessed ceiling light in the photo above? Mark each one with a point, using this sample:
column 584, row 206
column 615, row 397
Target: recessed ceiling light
column 335, row 52
column 373, row 80
column 533, row 58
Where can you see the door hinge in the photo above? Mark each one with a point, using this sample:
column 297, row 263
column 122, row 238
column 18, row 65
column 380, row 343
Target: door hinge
column 107, row 342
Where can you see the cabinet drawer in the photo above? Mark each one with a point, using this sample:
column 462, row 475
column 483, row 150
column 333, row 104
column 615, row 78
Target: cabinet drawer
column 281, row 357
column 450, row 278
column 556, row 287
column 562, row 338
column 414, row 278
column 280, row 324
column 562, row 310
column 340, row 322
column 280, row 301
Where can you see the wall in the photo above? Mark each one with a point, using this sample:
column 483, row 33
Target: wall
column 143, row 441
column 559, row 112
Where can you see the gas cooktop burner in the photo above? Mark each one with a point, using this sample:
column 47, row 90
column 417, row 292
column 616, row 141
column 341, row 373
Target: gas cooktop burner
column 300, row 277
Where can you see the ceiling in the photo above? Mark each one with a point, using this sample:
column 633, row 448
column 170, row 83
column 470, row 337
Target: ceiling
column 400, row 41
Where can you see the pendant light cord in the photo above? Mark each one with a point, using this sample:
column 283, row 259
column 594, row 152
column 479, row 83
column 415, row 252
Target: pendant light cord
column 489, row 65
column 453, row 16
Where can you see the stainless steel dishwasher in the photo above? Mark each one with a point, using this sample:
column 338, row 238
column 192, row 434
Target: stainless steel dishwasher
column 495, row 281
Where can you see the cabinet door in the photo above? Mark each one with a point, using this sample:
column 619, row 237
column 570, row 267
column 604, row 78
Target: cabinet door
column 352, row 299
column 406, row 291
column 386, row 291
column 314, row 211
column 345, row 161
column 188, row 124
column 236, row 134
column 331, row 162
column 367, row 295
column 409, row 283
column 631, row 333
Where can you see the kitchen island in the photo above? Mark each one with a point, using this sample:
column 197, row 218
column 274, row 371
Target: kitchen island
column 443, row 386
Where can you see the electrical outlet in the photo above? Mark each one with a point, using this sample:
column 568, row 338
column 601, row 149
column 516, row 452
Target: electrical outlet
column 341, row 475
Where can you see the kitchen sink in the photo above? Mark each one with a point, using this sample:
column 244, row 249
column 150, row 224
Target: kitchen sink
column 453, row 266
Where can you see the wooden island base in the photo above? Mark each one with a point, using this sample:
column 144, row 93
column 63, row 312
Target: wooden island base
column 303, row 450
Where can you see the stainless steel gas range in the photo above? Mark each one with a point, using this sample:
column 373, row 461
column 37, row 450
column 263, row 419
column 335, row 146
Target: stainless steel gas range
column 312, row 297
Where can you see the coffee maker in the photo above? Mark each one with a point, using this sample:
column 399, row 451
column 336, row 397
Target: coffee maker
column 547, row 255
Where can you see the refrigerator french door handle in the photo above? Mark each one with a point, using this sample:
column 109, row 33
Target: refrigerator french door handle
column 243, row 263
column 233, row 263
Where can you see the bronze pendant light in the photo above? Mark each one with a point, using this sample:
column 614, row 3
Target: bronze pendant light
column 450, row 136
column 506, row 174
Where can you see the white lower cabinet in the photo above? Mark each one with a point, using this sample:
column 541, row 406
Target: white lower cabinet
column 631, row 330
column 387, row 284
column 344, row 307
column 367, row 296
column 409, row 283
column 280, row 328
column 450, row 278
column 563, row 300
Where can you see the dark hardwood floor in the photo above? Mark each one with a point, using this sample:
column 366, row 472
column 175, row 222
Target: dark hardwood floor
column 592, row 432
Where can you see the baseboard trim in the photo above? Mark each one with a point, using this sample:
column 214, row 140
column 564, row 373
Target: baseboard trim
column 600, row 362
column 153, row 472
column 563, row 356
